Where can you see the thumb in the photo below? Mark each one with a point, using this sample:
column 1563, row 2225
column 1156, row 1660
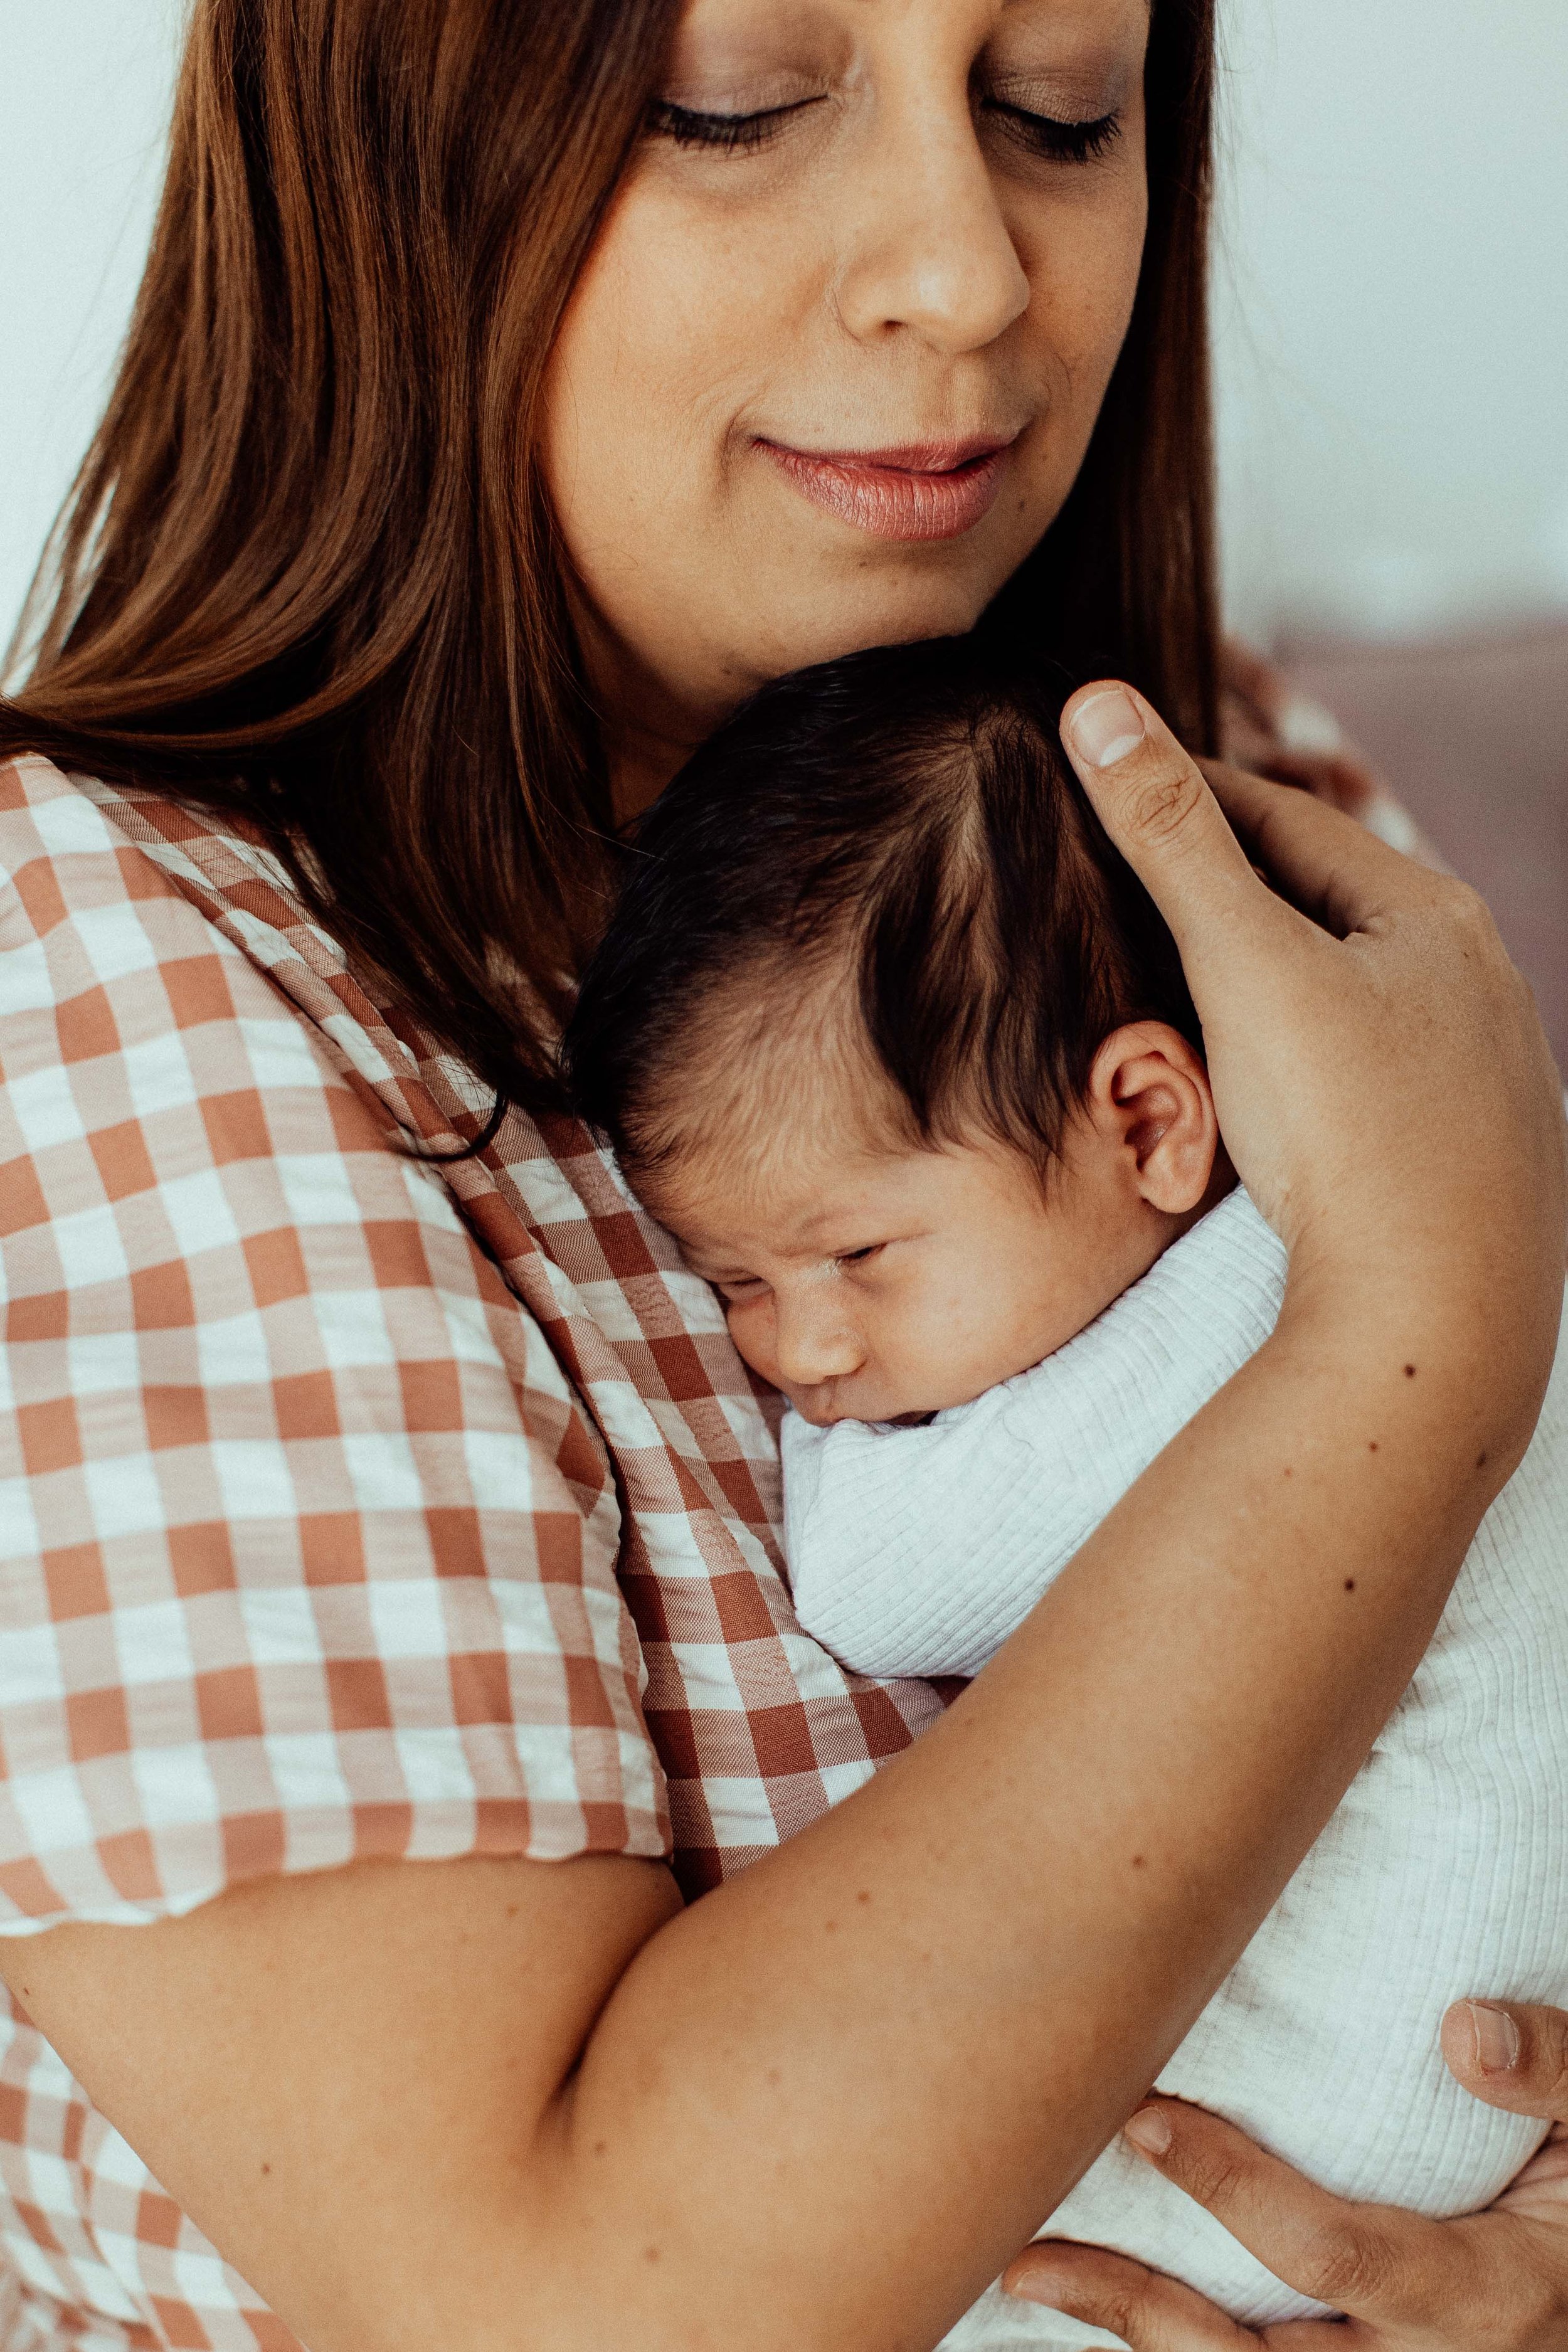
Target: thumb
column 1150, row 796
column 1511, row 2054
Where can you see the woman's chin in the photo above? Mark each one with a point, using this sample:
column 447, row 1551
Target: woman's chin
column 847, row 617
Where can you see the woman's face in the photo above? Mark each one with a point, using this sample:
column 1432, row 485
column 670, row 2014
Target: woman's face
column 836, row 360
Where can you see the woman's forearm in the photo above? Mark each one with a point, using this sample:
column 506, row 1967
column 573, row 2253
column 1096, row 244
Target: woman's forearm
column 897, row 2041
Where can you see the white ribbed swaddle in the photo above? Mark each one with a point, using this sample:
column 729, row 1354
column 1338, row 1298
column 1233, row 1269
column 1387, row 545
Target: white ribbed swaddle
column 1445, row 1870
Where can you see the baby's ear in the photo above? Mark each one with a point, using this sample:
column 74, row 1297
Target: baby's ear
column 1149, row 1094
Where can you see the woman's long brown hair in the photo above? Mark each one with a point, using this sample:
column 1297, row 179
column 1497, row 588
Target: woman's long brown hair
column 308, row 576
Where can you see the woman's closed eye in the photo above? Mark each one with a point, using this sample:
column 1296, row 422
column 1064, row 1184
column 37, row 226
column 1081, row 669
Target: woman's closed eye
column 728, row 134
column 860, row 1257
column 731, row 132
column 1049, row 136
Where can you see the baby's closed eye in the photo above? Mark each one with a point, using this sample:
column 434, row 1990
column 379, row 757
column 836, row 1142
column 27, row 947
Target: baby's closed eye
column 742, row 1290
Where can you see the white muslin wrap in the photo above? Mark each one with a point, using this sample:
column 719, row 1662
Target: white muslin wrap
column 1445, row 1870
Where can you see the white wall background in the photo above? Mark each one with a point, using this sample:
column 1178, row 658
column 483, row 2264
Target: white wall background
column 1393, row 293
column 84, row 99
column 1392, row 307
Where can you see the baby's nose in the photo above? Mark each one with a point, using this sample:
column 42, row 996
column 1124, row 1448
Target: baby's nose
column 815, row 1344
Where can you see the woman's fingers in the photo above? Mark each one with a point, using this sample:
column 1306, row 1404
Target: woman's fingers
column 1153, row 2312
column 1178, row 832
column 1371, row 2261
column 1150, row 797
column 1511, row 2054
column 1326, row 863
column 1147, row 2310
column 1540, row 2193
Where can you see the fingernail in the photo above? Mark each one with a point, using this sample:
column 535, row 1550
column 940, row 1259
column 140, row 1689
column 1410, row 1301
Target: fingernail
column 1497, row 2039
column 1042, row 2287
column 1149, row 2130
column 1107, row 727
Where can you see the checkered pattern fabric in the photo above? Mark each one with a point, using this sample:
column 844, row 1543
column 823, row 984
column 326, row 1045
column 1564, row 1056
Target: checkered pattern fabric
column 351, row 1503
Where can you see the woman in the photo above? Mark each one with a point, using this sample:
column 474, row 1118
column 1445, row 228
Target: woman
column 512, row 389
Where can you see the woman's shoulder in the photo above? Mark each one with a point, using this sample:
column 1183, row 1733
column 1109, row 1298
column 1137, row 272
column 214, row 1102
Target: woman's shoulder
column 207, row 1128
column 127, row 917
column 96, row 890
column 144, row 1037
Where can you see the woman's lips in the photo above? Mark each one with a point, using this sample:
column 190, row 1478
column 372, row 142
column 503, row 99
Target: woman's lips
column 925, row 493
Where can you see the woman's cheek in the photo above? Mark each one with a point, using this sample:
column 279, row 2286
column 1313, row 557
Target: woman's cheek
column 667, row 335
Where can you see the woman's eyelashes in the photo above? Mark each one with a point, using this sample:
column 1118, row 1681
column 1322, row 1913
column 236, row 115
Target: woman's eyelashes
column 1047, row 135
column 731, row 133
column 687, row 126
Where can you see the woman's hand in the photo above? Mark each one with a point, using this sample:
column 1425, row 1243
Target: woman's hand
column 1270, row 726
column 1493, row 2282
column 1316, row 1026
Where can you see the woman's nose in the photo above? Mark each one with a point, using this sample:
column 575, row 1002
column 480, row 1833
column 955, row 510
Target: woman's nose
column 814, row 1342
column 925, row 244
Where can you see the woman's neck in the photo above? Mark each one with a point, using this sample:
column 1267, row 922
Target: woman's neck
column 649, row 726
column 641, row 758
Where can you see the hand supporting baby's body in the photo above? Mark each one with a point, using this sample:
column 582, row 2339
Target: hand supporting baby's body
column 918, row 1550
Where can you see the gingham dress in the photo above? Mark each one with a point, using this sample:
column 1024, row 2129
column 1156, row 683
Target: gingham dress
column 349, row 1505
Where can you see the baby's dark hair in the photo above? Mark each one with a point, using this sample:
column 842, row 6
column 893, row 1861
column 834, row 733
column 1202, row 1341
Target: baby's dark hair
column 895, row 837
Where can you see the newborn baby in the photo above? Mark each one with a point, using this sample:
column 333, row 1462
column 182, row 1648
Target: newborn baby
column 900, row 1052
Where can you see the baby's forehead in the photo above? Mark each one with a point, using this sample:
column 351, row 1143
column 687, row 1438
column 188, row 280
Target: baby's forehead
column 776, row 1069
column 779, row 1131
column 788, row 1185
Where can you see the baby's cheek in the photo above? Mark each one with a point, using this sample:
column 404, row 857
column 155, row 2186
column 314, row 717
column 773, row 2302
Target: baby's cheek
column 752, row 1329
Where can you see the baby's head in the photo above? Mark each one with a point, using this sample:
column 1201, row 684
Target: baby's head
column 891, row 1040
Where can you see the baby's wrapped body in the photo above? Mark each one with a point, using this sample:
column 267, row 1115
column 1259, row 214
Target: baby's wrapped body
column 1445, row 1870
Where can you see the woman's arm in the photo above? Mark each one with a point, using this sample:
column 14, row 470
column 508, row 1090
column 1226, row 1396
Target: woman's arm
column 492, row 2102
